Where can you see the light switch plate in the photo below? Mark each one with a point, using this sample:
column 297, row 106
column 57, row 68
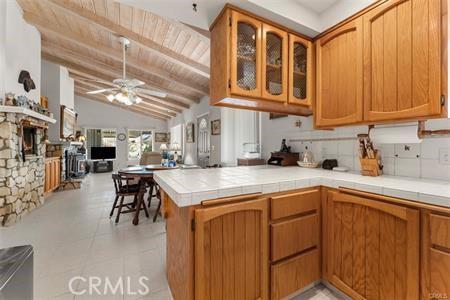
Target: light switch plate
column 444, row 156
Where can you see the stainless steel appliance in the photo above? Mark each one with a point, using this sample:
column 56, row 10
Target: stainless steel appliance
column 16, row 273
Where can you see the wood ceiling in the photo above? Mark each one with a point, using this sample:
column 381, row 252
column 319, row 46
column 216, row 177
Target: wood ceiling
column 83, row 36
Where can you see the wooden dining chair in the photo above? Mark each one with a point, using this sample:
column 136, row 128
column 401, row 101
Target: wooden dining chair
column 124, row 187
column 158, row 196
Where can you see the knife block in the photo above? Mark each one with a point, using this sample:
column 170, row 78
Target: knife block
column 371, row 166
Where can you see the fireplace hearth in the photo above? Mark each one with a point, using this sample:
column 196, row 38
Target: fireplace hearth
column 29, row 146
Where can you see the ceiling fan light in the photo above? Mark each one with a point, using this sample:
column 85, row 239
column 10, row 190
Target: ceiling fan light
column 138, row 100
column 110, row 97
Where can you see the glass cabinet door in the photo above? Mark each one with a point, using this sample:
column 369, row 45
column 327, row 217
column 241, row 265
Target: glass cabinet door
column 274, row 63
column 300, row 70
column 245, row 55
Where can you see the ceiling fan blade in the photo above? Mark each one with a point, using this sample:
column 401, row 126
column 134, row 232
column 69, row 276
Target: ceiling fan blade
column 151, row 93
column 96, row 80
column 135, row 82
column 102, row 91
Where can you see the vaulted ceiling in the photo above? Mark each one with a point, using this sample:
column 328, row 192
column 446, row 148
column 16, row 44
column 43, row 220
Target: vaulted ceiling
column 83, row 36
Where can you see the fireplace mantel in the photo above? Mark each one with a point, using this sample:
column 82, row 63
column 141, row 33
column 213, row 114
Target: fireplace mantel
column 27, row 112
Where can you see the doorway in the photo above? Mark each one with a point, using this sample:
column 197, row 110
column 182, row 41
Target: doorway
column 203, row 140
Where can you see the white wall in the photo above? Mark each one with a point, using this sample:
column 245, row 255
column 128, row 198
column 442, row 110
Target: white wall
column 421, row 161
column 58, row 87
column 66, row 92
column 190, row 115
column 92, row 114
column 2, row 47
column 20, row 46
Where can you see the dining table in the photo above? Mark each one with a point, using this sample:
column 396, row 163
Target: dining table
column 144, row 175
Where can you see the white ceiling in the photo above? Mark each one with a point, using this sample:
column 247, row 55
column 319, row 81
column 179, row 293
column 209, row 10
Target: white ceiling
column 318, row 6
column 309, row 17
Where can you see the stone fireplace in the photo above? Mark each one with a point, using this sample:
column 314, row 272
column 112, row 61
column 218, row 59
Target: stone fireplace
column 22, row 154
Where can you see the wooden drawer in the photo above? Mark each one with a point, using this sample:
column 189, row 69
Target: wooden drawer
column 440, row 274
column 440, row 230
column 293, row 236
column 293, row 274
column 295, row 203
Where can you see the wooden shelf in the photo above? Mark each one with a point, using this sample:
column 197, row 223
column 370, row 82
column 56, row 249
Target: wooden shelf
column 299, row 73
column 27, row 112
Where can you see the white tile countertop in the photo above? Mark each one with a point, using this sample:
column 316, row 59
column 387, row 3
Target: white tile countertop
column 190, row 187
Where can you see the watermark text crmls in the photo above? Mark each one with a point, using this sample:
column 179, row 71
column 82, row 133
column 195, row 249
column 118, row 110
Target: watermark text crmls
column 123, row 285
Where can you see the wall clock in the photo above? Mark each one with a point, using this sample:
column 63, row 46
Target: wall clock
column 121, row 137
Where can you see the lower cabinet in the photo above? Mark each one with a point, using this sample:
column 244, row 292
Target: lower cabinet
column 295, row 242
column 373, row 247
column 231, row 251
column 52, row 174
column 295, row 273
column 435, row 267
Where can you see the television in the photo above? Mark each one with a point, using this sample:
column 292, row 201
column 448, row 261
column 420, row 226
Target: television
column 103, row 152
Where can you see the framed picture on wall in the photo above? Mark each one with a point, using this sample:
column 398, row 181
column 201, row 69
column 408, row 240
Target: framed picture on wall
column 161, row 137
column 190, row 133
column 68, row 124
column 215, row 127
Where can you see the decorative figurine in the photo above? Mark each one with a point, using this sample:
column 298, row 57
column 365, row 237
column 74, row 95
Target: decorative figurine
column 9, row 99
column 285, row 148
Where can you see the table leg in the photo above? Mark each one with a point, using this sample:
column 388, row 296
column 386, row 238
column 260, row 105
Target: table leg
column 140, row 201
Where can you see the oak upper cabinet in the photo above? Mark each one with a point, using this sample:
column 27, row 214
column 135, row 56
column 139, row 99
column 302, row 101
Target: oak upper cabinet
column 274, row 63
column 231, row 251
column 374, row 248
column 340, row 76
column 301, row 71
column 245, row 55
column 402, row 60
column 250, row 65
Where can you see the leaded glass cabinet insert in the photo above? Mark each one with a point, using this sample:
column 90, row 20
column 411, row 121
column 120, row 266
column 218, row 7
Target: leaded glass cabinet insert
column 299, row 71
column 275, row 61
column 246, row 56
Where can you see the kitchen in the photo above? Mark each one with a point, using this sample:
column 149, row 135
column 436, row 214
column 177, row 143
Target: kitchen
column 267, row 232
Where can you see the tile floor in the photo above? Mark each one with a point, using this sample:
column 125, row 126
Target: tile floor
column 72, row 235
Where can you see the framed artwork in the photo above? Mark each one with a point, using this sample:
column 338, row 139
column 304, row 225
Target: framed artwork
column 215, row 127
column 273, row 116
column 161, row 137
column 68, row 124
column 190, row 133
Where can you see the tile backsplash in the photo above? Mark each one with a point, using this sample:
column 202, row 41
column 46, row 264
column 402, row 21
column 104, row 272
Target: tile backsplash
column 428, row 160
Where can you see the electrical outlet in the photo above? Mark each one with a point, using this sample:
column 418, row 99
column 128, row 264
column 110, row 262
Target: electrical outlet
column 444, row 156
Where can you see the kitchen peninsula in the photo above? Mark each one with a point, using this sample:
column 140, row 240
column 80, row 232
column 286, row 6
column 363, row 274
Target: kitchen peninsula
column 264, row 232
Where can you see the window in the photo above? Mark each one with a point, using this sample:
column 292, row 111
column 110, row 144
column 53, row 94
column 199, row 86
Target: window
column 96, row 137
column 139, row 141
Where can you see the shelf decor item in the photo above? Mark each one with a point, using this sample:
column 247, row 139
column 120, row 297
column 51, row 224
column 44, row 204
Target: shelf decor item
column 190, row 138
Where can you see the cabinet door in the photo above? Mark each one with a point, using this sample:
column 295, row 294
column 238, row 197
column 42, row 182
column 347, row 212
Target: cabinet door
column 274, row 63
column 402, row 60
column 374, row 248
column 245, row 55
column 340, row 76
column 47, row 176
column 231, row 251
column 301, row 65
column 435, row 259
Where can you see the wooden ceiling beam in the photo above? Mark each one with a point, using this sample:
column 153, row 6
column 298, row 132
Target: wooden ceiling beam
column 95, row 74
column 114, row 71
column 110, row 26
column 45, row 26
column 145, row 101
column 82, row 93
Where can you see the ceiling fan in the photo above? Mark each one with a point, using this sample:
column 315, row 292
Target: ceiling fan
column 126, row 90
